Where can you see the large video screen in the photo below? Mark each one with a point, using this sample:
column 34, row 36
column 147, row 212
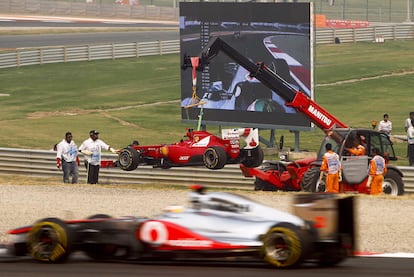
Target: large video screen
column 277, row 34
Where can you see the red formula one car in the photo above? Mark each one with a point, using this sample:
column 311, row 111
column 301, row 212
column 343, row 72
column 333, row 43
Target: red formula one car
column 198, row 148
column 216, row 224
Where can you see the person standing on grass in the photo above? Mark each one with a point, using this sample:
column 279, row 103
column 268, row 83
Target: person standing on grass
column 406, row 126
column 331, row 166
column 377, row 170
column 67, row 158
column 92, row 148
column 410, row 141
column 385, row 125
column 408, row 121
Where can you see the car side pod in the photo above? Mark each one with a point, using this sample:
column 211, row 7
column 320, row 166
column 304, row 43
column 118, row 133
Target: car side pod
column 333, row 216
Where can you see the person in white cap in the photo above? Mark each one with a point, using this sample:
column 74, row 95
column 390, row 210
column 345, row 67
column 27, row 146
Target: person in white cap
column 92, row 148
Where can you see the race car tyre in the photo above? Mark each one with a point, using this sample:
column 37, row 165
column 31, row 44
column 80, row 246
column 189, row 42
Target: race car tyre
column 100, row 251
column 99, row 216
column 310, row 181
column 215, row 157
column 256, row 158
column 260, row 184
column 332, row 257
column 49, row 241
column 283, row 246
column 128, row 159
column 393, row 183
column 19, row 249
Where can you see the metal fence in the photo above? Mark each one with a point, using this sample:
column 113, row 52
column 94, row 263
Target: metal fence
column 63, row 54
column 41, row 163
column 395, row 32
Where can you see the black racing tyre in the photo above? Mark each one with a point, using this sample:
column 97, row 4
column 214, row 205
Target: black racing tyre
column 166, row 164
column 49, row 241
column 100, row 251
column 19, row 249
column 260, row 184
column 128, row 159
column 393, row 184
column 215, row 157
column 283, row 246
column 256, row 158
column 310, row 180
column 99, row 216
column 331, row 257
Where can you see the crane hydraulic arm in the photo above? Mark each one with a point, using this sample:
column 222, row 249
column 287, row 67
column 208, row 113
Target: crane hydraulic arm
column 294, row 98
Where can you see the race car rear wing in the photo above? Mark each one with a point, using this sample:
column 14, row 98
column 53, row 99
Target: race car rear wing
column 333, row 216
column 249, row 135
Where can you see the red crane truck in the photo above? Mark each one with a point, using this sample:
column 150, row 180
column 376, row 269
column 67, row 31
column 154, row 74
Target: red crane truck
column 303, row 174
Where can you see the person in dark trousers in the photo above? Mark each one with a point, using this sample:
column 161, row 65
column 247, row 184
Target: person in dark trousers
column 410, row 141
column 67, row 158
column 92, row 149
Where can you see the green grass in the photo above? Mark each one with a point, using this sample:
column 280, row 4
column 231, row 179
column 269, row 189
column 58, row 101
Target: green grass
column 129, row 99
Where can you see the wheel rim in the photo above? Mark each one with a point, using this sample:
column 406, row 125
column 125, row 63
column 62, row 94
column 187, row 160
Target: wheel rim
column 389, row 187
column 124, row 158
column 210, row 158
column 48, row 242
column 320, row 186
column 279, row 248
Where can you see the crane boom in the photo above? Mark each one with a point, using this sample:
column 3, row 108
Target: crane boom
column 293, row 98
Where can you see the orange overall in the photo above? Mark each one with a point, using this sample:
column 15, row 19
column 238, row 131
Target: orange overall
column 332, row 166
column 377, row 170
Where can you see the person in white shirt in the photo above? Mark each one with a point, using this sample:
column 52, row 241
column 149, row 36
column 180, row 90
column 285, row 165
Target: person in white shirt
column 407, row 124
column 385, row 125
column 410, row 141
column 408, row 121
column 67, row 158
column 92, row 148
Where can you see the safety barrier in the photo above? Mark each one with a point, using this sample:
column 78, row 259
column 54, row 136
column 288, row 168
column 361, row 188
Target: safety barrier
column 63, row 54
column 42, row 163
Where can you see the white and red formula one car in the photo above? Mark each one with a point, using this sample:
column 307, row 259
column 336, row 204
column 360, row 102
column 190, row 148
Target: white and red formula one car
column 216, row 224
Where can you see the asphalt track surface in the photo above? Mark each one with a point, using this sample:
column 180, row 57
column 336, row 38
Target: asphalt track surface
column 149, row 31
column 80, row 266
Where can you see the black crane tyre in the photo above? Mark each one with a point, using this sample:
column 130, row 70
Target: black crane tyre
column 283, row 246
column 256, row 158
column 260, row 184
column 215, row 157
column 310, row 179
column 393, row 183
column 49, row 241
column 128, row 159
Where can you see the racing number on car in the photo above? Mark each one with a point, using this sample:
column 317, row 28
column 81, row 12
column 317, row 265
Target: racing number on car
column 153, row 232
